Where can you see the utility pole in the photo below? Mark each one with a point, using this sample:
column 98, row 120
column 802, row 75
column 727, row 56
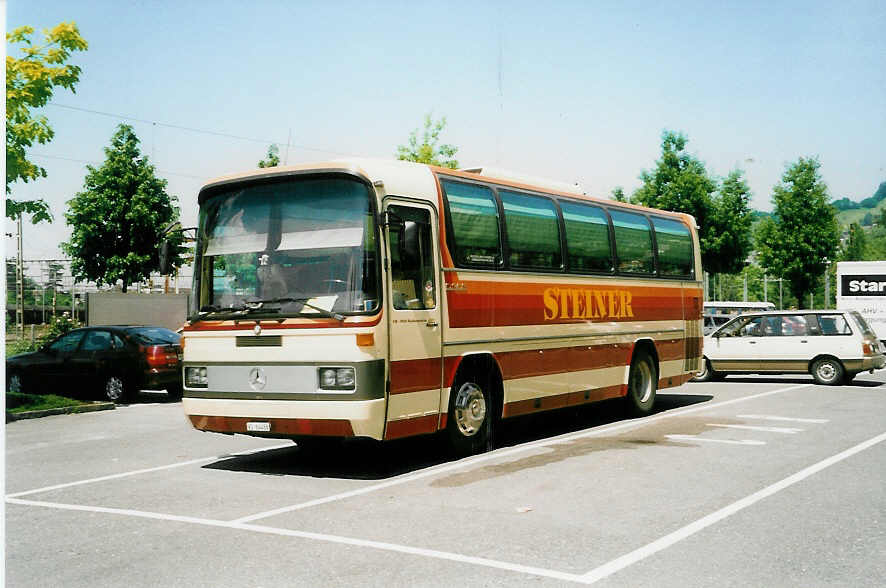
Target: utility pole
column 765, row 289
column 19, row 283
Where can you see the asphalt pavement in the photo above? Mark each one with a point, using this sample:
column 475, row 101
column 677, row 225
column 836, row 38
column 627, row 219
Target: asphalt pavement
column 748, row 482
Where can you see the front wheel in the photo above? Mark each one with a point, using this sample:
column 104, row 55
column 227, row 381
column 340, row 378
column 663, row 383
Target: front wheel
column 827, row 371
column 642, row 382
column 15, row 383
column 468, row 422
column 115, row 389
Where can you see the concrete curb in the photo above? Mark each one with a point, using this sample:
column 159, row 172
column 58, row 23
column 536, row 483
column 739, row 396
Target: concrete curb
column 36, row 414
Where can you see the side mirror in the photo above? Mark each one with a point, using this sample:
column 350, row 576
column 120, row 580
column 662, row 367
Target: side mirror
column 164, row 254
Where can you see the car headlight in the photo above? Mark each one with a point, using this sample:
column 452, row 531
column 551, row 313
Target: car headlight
column 195, row 377
column 332, row 378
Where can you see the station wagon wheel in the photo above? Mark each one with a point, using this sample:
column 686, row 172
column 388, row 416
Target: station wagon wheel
column 827, row 371
column 115, row 389
column 642, row 382
column 706, row 374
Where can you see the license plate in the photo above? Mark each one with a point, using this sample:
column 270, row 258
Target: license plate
column 258, row 427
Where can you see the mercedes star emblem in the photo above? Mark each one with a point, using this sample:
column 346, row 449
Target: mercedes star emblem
column 257, row 379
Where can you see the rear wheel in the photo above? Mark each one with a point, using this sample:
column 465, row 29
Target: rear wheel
column 468, row 423
column 115, row 389
column 174, row 392
column 706, row 374
column 827, row 371
column 642, row 382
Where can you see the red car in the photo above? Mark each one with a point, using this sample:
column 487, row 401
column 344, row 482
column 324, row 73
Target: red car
column 114, row 362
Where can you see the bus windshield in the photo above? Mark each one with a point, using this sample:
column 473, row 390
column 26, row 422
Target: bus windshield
column 301, row 246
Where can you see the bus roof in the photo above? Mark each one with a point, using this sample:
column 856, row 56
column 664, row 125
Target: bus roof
column 418, row 180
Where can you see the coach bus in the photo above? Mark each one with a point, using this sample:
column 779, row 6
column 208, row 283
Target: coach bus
column 386, row 299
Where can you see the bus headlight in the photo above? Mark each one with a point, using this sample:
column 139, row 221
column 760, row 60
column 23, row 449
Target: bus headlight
column 337, row 378
column 195, row 377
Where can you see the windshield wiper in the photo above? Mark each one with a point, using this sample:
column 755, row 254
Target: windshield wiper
column 303, row 301
column 248, row 307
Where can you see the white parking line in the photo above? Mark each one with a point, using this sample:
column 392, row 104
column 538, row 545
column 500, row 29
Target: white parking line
column 596, row 432
column 145, row 471
column 710, row 440
column 591, row 577
column 637, row 555
column 432, row 553
column 769, row 417
column 785, row 430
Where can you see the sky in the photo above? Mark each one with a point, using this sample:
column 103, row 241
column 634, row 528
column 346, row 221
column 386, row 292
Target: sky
column 571, row 91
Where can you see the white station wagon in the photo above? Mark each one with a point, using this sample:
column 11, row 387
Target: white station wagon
column 832, row 345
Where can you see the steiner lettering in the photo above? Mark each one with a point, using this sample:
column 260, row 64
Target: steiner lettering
column 573, row 303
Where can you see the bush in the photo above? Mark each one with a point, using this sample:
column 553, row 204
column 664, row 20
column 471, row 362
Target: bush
column 58, row 326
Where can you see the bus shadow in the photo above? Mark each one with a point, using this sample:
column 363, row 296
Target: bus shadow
column 361, row 459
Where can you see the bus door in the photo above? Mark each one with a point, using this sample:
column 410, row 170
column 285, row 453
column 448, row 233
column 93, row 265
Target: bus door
column 414, row 317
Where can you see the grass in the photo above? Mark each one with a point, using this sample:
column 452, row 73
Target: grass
column 16, row 403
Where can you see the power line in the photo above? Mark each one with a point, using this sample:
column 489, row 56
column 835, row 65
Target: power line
column 91, row 162
column 195, row 130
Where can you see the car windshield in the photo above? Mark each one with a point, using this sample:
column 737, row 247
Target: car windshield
column 301, row 246
column 154, row 335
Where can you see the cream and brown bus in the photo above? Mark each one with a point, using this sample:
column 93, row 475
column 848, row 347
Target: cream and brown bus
column 385, row 299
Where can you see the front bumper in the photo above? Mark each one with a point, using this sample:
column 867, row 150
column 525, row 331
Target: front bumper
column 288, row 418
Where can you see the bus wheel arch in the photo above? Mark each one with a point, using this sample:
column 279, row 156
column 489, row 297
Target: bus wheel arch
column 475, row 404
column 642, row 378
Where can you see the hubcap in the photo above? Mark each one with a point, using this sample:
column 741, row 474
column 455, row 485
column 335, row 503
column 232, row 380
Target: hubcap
column 826, row 370
column 641, row 381
column 470, row 409
column 114, row 388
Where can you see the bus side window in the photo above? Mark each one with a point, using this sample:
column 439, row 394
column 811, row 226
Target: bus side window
column 587, row 238
column 473, row 214
column 633, row 242
column 674, row 247
column 412, row 262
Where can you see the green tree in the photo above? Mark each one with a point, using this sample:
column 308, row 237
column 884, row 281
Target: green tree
column 868, row 220
column 618, row 194
column 727, row 238
column 273, row 157
column 118, row 219
column 802, row 232
column 30, row 82
column 856, row 245
column 681, row 183
column 428, row 150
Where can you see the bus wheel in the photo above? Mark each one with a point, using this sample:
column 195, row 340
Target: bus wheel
column 642, row 382
column 469, row 415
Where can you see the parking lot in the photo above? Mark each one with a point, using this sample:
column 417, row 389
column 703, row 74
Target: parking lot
column 747, row 482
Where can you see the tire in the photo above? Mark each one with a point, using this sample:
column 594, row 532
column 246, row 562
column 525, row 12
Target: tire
column 174, row 393
column 642, row 382
column 15, row 382
column 115, row 389
column 706, row 374
column 468, row 424
column 827, row 371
